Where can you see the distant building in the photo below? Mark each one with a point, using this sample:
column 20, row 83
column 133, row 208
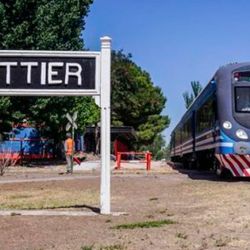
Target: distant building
column 121, row 137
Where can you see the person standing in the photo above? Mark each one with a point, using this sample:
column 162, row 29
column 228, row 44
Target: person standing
column 69, row 151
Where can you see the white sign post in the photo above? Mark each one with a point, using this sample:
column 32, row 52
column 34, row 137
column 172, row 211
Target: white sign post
column 65, row 73
column 105, row 124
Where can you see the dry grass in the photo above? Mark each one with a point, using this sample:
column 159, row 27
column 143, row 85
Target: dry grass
column 47, row 198
column 5, row 162
column 145, row 224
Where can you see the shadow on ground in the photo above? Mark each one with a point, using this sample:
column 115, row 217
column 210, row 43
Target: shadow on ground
column 42, row 163
column 77, row 207
column 209, row 175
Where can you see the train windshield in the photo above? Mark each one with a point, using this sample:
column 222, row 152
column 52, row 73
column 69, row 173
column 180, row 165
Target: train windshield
column 243, row 76
column 242, row 99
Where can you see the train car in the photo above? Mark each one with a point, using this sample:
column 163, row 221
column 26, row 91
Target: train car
column 215, row 131
column 25, row 143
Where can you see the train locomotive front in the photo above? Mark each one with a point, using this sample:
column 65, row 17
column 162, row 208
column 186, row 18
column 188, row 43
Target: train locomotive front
column 215, row 130
column 233, row 107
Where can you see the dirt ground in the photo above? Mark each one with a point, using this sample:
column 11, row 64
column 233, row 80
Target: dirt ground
column 207, row 213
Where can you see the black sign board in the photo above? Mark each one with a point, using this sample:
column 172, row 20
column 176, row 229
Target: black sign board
column 47, row 72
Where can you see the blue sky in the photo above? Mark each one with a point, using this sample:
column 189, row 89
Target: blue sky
column 176, row 41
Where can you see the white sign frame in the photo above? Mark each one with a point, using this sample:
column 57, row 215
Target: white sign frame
column 57, row 54
column 102, row 90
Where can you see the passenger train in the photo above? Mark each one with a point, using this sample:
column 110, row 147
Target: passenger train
column 215, row 130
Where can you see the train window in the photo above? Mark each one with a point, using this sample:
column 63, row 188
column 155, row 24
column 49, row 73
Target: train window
column 206, row 115
column 172, row 141
column 243, row 76
column 187, row 130
column 242, row 99
column 178, row 137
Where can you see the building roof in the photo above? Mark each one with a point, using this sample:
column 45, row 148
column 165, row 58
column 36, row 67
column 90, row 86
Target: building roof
column 127, row 131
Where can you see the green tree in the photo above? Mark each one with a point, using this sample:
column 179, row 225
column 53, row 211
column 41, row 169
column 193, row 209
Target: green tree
column 88, row 114
column 44, row 25
column 135, row 100
column 157, row 147
column 189, row 97
column 5, row 123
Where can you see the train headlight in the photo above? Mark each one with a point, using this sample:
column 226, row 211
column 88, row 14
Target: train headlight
column 241, row 134
column 227, row 125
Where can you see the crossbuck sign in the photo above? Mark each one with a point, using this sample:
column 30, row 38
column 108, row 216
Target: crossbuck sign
column 71, row 123
column 65, row 73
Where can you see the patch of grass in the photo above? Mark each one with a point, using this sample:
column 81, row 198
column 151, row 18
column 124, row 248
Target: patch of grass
column 145, row 224
column 170, row 214
column 163, row 211
column 181, row 236
column 19, row 196
column 184, row 246
column 150, row 216
column 87, row 247
column 14, row 214
column 110, row 247
column 114, row 247
column 47, row 198
column 154, row 199
column 221, row 242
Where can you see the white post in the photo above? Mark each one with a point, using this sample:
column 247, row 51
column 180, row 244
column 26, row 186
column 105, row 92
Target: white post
column 105, row 124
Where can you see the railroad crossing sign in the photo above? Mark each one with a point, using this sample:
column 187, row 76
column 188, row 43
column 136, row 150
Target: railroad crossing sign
column 72, row 122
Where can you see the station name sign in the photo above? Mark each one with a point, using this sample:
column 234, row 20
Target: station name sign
column 61, row 72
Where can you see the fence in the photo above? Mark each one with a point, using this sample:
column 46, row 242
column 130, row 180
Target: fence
column 146, row 158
